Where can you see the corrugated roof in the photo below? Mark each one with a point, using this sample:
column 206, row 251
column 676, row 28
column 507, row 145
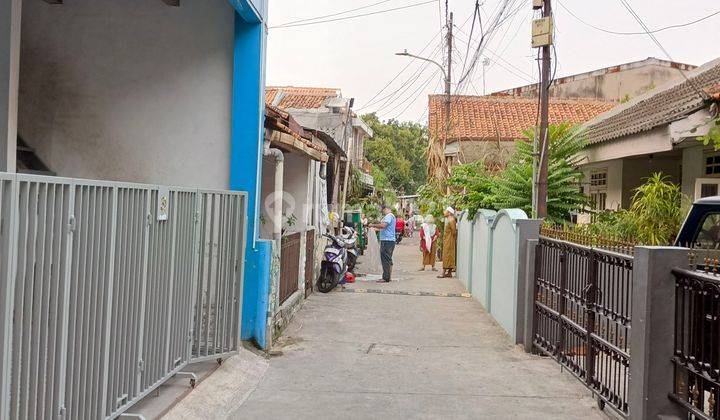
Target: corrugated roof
column 663, row 105
column 299, row 97
column 504, row 118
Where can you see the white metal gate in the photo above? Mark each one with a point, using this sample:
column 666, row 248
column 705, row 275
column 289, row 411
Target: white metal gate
column 104, row 298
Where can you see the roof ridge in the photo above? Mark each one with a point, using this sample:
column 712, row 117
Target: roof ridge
column 509, row 98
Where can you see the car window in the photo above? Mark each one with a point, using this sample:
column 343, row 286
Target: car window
column 709, row 235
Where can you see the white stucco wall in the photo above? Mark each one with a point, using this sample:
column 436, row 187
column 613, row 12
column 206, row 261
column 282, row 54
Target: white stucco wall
column 129, row 90
column 296, row 180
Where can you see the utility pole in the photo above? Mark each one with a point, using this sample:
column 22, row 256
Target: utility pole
column 542, row 37
column 448, row 97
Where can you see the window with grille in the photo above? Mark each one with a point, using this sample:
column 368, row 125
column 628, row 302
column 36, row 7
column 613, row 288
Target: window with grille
column 712, row 164
column 598, row 189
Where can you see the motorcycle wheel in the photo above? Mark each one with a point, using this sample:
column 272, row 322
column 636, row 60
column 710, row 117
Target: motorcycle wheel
column 327, row 280
column 351, row 264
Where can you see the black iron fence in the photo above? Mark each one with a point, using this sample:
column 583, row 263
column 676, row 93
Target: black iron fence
column 594, row 241
column 582, row 315
column 697, row 342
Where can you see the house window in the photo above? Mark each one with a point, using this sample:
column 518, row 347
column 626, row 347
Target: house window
column 707, row 187
column 598, row 179
column 712, row 165
column 598, row 189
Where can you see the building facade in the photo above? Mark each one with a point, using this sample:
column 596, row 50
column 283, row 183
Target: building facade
column 615, row 84
column 656, row 133
column 485, row 128
column 158, row 92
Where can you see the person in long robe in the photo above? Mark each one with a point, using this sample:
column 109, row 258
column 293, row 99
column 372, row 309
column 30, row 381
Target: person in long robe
column 428, row 242
column 449, row 247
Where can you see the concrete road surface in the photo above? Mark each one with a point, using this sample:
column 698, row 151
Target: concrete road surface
column 385, row 356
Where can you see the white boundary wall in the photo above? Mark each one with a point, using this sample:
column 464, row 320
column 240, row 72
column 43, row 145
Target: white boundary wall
column 491, row 263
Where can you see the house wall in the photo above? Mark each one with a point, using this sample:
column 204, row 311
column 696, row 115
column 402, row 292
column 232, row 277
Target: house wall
column 267, row 187
column 129, row 90
column 615, row 84
column 636, row 172
column 693, row 164
column 297, row 176
column 10, row 14
column 491, row 152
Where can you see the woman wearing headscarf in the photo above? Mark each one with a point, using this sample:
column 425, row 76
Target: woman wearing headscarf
column 428, row 242
column 449, row 243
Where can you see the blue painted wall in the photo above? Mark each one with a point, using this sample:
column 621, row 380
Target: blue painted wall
column 248, row 105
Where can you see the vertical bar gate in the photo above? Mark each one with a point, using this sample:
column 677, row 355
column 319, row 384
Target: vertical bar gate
column 582, row 315
column 102, row 299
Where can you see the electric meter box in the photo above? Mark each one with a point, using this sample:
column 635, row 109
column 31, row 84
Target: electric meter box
column 542, row 30
column 542, row 40
column 542, row 26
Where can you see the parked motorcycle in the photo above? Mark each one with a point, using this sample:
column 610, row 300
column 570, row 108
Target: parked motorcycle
column 339, row 258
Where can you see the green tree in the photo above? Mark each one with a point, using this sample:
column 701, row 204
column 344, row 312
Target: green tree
column 472, row 187
column 713, row 136
column 514, row 185
column 398, row 149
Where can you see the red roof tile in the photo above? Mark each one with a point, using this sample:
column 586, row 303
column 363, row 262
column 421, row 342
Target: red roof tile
column 299, row 97
column 504, row 118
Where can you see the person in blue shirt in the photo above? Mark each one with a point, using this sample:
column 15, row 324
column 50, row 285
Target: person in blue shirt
column 387, row 242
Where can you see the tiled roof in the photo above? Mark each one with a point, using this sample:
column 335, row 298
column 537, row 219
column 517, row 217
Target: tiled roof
column 299, row 97
column 298, row 139
column 714, row 91
column 663, row 105
column 504, row 118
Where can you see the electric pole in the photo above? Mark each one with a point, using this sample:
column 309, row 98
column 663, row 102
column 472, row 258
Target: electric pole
column 542, row 37
column 448, row 97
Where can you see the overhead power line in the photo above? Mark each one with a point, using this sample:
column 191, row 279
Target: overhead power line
column 316, row 22
column 657, row 42
column 649, row 32
column 335, row 14
column 370, row 102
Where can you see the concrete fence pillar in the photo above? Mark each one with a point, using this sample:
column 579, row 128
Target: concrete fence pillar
column 527, row 230
column 529, row 293
column 653, row 332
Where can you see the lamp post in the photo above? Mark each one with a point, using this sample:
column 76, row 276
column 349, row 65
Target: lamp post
column 441, row 170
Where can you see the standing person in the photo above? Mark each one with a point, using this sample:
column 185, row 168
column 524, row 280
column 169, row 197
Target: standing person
column 387, row 242
column 449, row 243
column 410, row 224
column 428, row 242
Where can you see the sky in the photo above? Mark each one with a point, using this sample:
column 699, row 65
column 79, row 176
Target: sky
column 358, row 55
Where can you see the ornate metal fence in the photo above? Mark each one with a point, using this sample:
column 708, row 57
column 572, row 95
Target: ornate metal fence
column 110, row 289
column 697, row 343
column 582, row 315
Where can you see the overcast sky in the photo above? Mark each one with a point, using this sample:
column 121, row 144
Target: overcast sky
column 357, row 55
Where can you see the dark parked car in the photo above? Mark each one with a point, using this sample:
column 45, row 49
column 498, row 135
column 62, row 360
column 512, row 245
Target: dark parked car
column 701, row 228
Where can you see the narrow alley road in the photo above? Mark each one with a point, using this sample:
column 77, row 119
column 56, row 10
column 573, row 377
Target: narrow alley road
column 372, row 356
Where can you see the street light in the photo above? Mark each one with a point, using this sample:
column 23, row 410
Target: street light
column 439, row 149
column 445, row 75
